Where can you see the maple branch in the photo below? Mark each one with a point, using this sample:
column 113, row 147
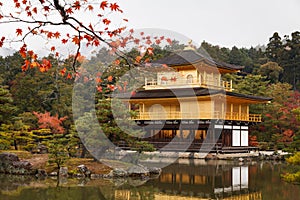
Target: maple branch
column 61, row 10
column 77, row 54
column 93, row 33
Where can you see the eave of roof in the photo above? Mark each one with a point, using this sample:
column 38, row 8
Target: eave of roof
column 188, row 57
column 186, row 92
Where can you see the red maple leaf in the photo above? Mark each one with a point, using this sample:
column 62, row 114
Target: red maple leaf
column 30, row 53
column 57, row 35
column 90, row 7
column 98, row 80
column 106, row 21
column 169, row 41
column 69, row 11
column 26, row 65
column 99, row 88
column 96, row 42
column 46, row 8
column 76, row 40
column 114, row 7
column 77, row 5
column 50, row 35
column 110, row 78
column 150, row 51
column 103, row 5
column 63, row 71
column 2, row 41
column 91, row 27
column 69, row 76
column 34, row 10
column 19, row 31
column 64, row 41
column 22, row 51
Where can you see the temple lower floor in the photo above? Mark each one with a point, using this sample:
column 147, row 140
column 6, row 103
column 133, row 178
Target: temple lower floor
column 197, row 135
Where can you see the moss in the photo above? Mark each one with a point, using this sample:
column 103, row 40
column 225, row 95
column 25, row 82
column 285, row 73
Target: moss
column 292, row 177
column 21, row 154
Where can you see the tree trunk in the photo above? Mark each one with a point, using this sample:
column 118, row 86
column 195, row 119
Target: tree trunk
column 15, row 145
column 83, row 152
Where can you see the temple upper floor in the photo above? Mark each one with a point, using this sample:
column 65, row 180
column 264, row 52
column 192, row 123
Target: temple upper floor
column 189, row 68
column 187, row 78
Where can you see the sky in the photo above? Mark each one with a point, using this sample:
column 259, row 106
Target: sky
column 227, row 23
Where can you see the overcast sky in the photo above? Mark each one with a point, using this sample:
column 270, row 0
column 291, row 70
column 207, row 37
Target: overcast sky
column 228, row 23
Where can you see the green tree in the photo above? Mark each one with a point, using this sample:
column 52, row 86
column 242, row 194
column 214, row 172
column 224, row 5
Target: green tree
column 274, row 48
column 272, row 71
column 280, row 125
column 10, row 67
column 215, row 52
column 251, row 84
column 58, row 151
column 114, row 125
column 290, row 59
column 294, row 175
column 236, row 56
column 7, row 108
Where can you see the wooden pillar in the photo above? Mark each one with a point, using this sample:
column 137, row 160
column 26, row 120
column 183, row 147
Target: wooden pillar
column 247, row 111
column 200, row 78
column 223, row 111
column 231, row 110
column 240, row 111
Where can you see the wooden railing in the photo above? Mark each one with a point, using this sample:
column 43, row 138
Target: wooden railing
column 153, row 83
column 198, row 115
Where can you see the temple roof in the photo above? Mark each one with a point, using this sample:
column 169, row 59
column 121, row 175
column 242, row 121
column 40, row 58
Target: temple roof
column 188, row 57
column 187, row 92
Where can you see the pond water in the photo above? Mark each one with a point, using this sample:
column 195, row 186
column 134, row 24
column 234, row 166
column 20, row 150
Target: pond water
column 184, row 180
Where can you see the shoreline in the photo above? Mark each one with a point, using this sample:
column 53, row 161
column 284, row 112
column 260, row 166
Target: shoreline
column 217, row 156
column 83, row 167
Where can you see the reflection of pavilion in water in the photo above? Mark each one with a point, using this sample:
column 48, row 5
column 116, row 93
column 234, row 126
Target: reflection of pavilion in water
column 222, row 181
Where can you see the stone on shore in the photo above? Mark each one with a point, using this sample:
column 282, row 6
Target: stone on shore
column 119, row 172
column 40, row 173
column 210, row 157
column 11, row 164
column 63, row 171
column 84, row 170
column 154, row 170
column 138, row 171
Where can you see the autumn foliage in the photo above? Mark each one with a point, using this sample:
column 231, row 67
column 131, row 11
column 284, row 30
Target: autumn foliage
column 45, row 120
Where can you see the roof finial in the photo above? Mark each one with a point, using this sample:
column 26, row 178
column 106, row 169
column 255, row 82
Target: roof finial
column 190, row 46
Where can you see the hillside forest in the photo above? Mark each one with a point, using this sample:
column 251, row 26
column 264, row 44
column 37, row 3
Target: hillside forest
column 36, row 107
